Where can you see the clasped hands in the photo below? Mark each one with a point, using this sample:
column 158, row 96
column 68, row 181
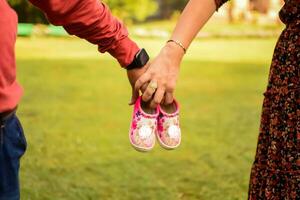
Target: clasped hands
column 157, row 79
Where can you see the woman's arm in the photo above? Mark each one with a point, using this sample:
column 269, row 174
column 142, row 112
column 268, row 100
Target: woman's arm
column 165, row 67
column 193, row 18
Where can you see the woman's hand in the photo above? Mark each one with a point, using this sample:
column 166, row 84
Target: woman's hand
column 161, row 76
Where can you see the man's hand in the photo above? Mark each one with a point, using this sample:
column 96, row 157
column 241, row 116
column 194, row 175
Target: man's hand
column 133, row 75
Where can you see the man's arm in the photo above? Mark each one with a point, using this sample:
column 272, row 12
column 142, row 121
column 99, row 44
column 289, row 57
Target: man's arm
column 93, row 21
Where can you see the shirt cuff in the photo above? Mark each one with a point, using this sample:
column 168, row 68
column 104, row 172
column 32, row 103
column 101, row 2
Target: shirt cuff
column 124, row 51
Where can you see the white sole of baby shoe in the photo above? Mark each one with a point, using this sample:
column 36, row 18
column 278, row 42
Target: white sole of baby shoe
column 139, row 149
column 167, row 147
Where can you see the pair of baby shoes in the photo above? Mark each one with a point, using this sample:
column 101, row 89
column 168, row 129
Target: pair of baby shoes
column 146, row 127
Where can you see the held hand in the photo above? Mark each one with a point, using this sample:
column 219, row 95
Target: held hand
column 161, row 75
column 133, row 75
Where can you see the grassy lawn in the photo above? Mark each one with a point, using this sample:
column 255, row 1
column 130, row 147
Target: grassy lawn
column 76, row 119
column 216, row 28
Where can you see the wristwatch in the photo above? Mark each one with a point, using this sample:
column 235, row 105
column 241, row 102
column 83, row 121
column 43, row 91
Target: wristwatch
column 140, row 59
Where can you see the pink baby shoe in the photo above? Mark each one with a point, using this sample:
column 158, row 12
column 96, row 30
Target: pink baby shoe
column 143, row 128
column 168, row 130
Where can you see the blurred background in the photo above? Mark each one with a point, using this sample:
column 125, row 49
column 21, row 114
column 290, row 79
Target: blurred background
column 76, row 117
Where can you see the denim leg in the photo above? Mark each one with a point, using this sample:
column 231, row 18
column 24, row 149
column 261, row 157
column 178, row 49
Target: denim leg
column 12, row 147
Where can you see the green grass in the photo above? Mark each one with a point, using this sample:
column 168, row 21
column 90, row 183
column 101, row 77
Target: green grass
column 218, row 28
column 76, row 119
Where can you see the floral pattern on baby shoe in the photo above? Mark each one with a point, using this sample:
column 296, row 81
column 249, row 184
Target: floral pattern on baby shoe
column 168, row 129
column 143, row 128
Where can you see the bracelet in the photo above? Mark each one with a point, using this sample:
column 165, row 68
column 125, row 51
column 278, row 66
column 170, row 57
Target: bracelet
column 179, row 44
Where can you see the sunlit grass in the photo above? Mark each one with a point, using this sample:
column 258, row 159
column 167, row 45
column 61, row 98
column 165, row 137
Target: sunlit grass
column 216, row 27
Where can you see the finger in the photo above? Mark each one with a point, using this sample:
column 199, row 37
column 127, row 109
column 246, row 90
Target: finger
column 141, row 81
column 134, row 96
column 163, row 99
column 147, row 65
column 144, row 87
column 158, row 97
column 168, row 98
column 147, row 95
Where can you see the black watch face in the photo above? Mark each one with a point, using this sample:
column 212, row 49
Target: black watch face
column 140, row 60
column 143, row 57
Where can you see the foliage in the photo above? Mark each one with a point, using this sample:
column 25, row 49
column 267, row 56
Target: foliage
column 132, row 10
column 129, row 10
column 168, row 7
column 27, row 13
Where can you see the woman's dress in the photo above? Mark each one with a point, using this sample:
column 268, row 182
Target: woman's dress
column 275, row 172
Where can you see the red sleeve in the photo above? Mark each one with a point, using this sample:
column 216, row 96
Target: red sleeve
column 93, row 21
column 219, row 3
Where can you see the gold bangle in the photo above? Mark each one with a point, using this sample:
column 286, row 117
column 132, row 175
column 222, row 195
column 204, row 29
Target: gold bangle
column 178, row 43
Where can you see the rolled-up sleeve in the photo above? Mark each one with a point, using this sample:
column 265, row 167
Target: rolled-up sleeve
column 93, row 21
column 219, row 3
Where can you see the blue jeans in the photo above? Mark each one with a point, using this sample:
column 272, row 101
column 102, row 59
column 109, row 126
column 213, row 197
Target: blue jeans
column 12, row 147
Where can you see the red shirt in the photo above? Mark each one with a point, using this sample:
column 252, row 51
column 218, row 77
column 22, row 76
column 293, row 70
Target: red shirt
column 87, row 19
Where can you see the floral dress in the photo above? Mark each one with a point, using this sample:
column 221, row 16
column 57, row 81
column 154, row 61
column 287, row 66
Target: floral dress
column 275, row 173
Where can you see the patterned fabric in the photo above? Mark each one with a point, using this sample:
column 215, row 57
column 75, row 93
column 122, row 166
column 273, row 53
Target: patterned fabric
column 289, row 14
column 276, row 170
column 275, row 173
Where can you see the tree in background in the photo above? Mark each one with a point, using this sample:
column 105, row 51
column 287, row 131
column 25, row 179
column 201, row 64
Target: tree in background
column 128, row 10
column 132, row 10
column 26, row 12
column 139, row 11
column 261, row 6
column 168, row 7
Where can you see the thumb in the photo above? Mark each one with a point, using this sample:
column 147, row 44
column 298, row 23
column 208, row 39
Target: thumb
column 144, row 87
column 134, row 96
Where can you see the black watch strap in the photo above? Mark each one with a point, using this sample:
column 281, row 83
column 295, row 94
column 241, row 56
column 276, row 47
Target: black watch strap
column 140, row 59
